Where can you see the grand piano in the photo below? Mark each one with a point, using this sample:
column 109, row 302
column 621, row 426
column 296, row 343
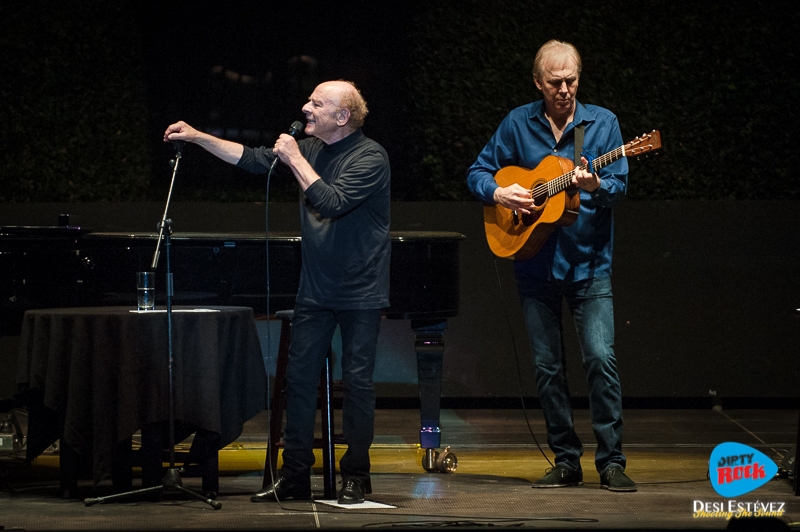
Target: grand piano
column 58, row 267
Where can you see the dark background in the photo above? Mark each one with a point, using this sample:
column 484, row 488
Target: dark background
column 89, row 86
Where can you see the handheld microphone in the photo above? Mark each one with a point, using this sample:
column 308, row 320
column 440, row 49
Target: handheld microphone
column 294, row 129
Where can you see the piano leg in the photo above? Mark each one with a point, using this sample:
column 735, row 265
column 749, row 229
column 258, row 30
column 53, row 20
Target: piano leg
column 429, row 345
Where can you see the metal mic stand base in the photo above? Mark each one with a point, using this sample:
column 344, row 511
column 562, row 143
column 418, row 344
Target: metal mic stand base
column 171, row 483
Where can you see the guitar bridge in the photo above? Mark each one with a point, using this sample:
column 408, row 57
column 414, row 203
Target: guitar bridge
column 515, row 216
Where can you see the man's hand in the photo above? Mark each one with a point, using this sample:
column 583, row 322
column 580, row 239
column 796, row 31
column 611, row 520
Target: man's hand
column 180, row 131
column 585, row 179
column 514, row 197
column 228, row 151
column 286, row 149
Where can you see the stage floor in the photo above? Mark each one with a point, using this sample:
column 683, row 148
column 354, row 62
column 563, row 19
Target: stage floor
column 667, row 450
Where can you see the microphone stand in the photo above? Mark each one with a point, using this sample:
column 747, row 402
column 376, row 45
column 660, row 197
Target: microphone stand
column 172, row 479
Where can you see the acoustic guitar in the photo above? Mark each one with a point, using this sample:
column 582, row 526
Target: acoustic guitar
column 513, row 235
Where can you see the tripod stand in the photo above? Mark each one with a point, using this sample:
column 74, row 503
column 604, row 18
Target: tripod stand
column 172, row 479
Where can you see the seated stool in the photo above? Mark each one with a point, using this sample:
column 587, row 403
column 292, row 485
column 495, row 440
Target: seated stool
column 278, row 405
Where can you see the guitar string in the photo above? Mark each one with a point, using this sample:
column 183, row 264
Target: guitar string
column 563, row 181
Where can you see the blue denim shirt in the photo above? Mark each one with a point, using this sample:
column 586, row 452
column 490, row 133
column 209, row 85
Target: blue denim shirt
column 524, row 138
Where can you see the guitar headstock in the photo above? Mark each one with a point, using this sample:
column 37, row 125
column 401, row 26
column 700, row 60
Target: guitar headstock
column 644, row 144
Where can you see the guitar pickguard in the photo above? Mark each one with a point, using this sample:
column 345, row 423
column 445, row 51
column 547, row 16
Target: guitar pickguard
column 530, row 219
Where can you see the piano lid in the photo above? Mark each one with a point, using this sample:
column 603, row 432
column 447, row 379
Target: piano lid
column 66, row 266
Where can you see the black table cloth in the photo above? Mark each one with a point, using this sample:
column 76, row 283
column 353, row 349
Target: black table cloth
column 94, row 376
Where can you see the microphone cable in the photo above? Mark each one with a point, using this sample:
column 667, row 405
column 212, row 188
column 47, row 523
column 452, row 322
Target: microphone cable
column 268, row 456
column 516, row 360
column 294, row 129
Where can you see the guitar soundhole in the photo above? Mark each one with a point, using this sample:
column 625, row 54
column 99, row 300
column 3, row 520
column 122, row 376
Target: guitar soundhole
column 539, row 197
column 539, row 194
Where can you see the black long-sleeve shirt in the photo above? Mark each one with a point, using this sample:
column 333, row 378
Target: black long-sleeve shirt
column 344, row 219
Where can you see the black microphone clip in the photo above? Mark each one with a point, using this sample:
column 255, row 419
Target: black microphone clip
column 178, row 145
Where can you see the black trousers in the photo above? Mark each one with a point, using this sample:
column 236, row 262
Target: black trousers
column 312, row 332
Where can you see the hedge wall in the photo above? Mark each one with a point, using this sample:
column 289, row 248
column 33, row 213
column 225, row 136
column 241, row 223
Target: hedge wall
column 81, row 115
column 714, row 77
column 73, row 112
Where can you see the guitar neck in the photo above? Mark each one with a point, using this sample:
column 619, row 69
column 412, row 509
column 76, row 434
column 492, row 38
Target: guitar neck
column 562, row 182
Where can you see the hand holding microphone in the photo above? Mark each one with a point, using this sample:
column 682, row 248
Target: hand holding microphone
column 282, row 146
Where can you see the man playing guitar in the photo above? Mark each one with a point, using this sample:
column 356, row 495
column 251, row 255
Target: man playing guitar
column 572, row 261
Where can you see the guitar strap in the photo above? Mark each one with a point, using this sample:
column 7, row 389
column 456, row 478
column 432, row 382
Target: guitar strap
column 578, row 143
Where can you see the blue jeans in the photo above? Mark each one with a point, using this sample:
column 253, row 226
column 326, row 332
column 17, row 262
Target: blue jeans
column 312, row 331
column 591, row 305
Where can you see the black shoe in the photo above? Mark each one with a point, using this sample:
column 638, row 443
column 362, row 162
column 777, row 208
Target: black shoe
column 614, row 479
column 282, row 490
column 560, row 477
column 352, row 491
